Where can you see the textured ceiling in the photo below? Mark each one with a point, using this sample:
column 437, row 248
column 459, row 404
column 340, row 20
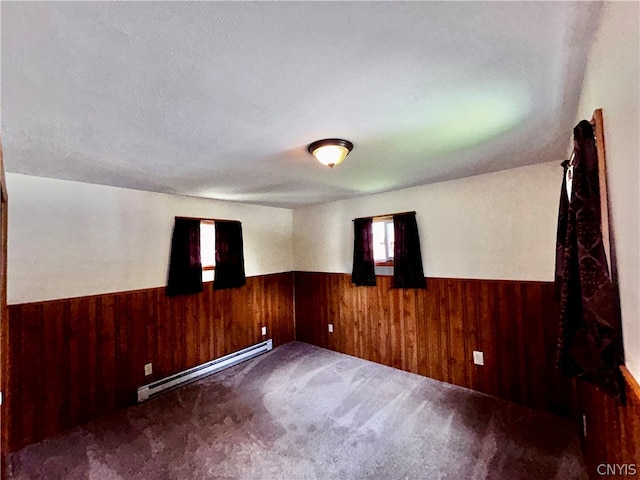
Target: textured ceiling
column 221, row 99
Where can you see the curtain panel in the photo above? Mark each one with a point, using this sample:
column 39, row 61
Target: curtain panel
column 363, row 273
column 229, row 271
column 407, row 257
column 590, row 338
column 561, row 232
column 185, row 269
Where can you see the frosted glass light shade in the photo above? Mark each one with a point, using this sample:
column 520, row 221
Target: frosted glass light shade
column 330, row 155
column 331, row 151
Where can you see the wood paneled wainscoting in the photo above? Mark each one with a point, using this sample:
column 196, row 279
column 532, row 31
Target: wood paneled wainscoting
column 434, row 332
column 612, row 430
column 74, row 359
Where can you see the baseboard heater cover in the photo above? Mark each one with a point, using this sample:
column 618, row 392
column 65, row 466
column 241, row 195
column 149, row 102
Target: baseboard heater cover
column 187, row 376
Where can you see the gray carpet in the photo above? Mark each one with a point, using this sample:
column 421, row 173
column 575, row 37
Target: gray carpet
column 302, row 412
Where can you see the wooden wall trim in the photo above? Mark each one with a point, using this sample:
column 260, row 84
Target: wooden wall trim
column 434, row 332
column 75, row 359
column 612, row 428
column 4, row 316
column 598, row 125
column 4, row 193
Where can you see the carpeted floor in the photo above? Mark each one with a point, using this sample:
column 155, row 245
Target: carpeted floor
column 302, row 412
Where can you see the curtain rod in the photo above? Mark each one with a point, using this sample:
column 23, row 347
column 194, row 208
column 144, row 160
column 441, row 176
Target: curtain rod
column 386, row 215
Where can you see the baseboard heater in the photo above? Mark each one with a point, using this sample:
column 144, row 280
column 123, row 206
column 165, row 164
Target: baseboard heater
column 182, row 378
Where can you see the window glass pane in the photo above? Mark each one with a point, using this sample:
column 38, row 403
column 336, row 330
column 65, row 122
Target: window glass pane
column 379, row 247
column 207, row 275
column 389, row 226
column 207, row 244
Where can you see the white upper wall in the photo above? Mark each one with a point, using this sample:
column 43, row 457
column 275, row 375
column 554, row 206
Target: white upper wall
column 496, row 226
column 69, row 239
column 611, row 83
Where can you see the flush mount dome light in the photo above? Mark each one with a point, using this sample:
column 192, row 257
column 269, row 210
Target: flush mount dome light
column 330, row 151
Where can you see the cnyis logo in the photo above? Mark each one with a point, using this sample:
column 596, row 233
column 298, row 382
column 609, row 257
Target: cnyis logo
column 625, row 469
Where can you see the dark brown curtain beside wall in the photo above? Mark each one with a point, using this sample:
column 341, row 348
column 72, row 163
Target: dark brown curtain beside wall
column 229, row 272
column 363, row 273
column 185, row 269
column 590, row 338
column 561, row 232
column 407, row 257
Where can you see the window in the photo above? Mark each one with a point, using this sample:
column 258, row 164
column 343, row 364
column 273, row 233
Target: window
column 383, row 241
column 207, row 249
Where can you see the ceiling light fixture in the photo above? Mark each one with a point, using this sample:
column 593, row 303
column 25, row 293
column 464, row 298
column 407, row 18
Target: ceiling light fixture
column 330, row 151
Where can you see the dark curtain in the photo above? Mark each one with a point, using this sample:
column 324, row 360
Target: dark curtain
column 407, row 258
column 185, row 269
column 363, row 273
column 590, row 338
column 561, row 233
column 229, row 272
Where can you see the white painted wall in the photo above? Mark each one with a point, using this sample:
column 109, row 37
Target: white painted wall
column 70, row 239
column 496, row 226
column 612, row 83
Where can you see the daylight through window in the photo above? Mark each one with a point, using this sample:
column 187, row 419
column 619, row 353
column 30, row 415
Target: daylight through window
column 383, row 241
column 207, row 249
